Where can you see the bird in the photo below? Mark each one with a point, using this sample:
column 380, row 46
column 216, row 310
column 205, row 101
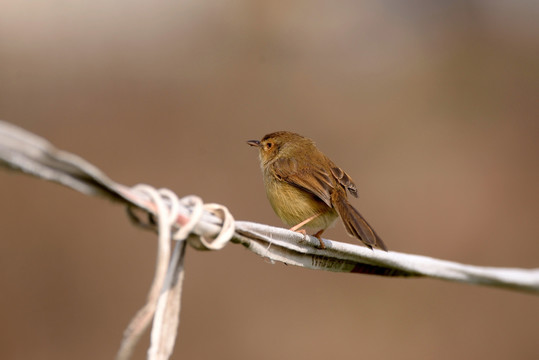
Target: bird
column 307, row 190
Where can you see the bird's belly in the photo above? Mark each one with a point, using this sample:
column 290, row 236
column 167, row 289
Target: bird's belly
column 294, row 205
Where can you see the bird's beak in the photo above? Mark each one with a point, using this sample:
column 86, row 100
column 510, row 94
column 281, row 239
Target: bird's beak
column 254, row 143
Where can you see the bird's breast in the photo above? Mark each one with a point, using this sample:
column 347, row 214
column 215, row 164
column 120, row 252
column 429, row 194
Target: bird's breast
column 294, row 205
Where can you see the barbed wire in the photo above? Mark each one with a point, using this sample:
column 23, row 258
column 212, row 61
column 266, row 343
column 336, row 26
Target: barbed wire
column 211, row 227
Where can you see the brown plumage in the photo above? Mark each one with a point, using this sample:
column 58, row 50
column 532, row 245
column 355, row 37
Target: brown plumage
column 306, row 189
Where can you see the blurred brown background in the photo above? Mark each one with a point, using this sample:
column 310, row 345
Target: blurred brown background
column 431, row 106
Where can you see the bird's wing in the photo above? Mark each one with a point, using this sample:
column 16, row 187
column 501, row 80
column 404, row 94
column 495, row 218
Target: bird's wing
column 344, row 179
column 313, row 179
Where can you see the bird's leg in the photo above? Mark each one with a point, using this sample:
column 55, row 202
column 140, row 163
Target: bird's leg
column 318, row 235
column 301, row 231
column 296, row 227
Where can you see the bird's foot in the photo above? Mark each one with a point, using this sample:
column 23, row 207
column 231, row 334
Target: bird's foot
column 318, row 235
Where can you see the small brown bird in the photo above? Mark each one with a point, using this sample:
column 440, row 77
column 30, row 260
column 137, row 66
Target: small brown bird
column 306, row 189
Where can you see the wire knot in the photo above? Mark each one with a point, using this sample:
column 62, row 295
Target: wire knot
column 225, row 234
column 167, row 213
column 166, row 216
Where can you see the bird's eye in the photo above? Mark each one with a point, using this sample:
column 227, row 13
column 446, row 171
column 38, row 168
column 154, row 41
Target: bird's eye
column 269, row 145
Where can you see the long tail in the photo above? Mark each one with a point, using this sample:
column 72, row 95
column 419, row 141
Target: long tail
column 354, row 223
